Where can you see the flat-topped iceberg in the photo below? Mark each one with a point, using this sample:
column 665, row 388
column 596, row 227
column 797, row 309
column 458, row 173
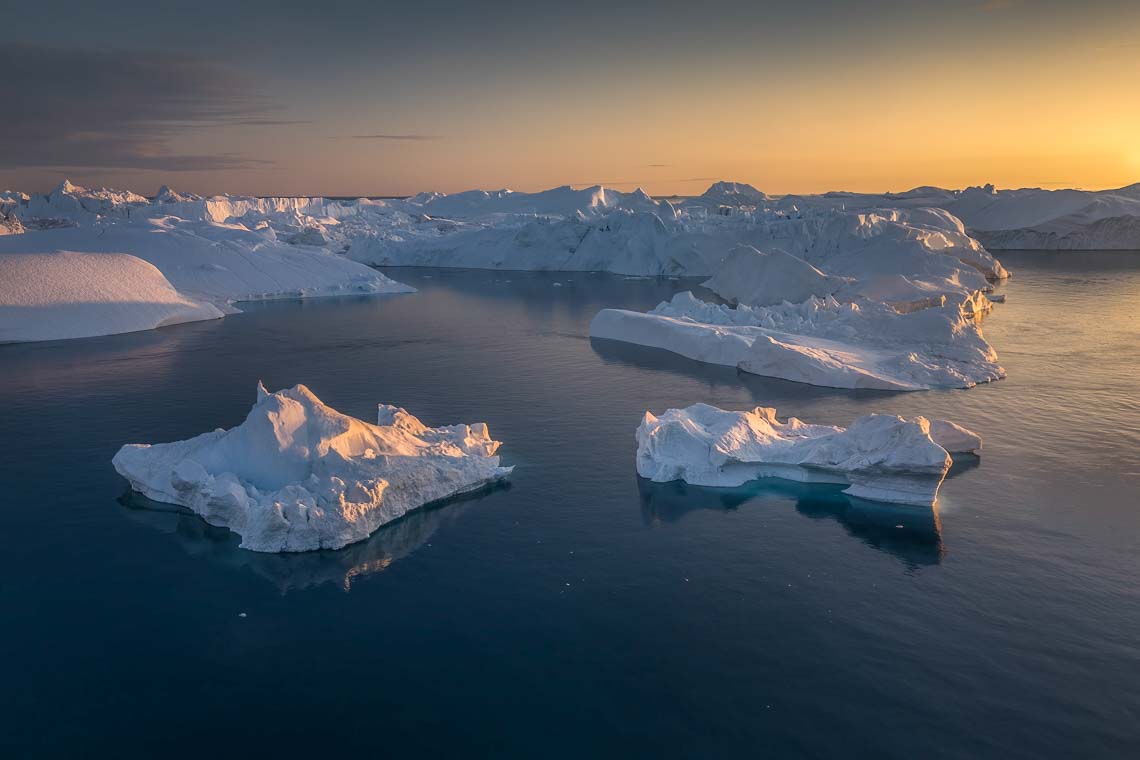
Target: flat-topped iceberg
column 297, row 475
column 78, row 295
column 156, row 262
column 880, row 457
column 862, row 344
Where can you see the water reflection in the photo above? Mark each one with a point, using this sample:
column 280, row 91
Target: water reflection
column 303, row 570
column 912, row 534
column 771, row 389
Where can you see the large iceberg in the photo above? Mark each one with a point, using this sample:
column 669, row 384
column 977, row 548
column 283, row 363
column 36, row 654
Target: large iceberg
column 880, row 457
column 861, row 344
column 1025, row 218
column 155, row 266
column 78, row 295
column 297, row 475
column 757, row 250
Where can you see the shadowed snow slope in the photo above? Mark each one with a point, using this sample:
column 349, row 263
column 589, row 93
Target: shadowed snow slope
column 78, row 295
column 297, row 475
column 763, row 278
column 864, row 344
column 213, row 262
column 882, row 457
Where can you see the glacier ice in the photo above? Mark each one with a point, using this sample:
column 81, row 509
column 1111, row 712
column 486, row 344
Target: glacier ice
column 1026, row 218
column 77, row 295
column 97, row 262
column 880, row 457
column 297, row 475
column 861, row 344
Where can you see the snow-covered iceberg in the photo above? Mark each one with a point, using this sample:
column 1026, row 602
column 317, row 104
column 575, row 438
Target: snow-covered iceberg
column 881, row 457
column 862, row 344
column 78, row 295
column 204, row 261
column 227, row 249
column 297, row 475
column 1025, row 218
column 638, row 243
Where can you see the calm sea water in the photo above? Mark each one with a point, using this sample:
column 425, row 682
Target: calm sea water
column 579, row 611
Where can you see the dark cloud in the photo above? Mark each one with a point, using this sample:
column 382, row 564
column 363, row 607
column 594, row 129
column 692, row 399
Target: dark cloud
column 410, row 137
column 658, row 166
column 118, row 109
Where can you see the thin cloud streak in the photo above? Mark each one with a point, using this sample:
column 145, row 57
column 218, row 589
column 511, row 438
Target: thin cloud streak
column 406, row 137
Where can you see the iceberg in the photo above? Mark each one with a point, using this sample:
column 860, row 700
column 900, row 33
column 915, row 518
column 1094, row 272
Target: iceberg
column 156, row 267
column 297, row 475
column 881, row 457
column 1025, row 218
column 900, row 250
column 79, row 295
column 861, row 344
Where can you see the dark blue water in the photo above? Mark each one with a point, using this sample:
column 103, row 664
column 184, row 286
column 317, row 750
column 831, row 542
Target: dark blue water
column 579, row 612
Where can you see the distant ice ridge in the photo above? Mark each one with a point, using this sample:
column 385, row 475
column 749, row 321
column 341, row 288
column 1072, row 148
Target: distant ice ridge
column 297, row 475
column 632, row 234
column 881, row 457
column 1027, row 218
column 185, row 260
column 759, row 251
column 860, row 344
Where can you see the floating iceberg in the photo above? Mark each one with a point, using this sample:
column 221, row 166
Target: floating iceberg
column 192, row 266
column 864, row 344
column 78, row 295
column 297, row 475
column 227, row 249
column 1026, row 218
column 881, row 457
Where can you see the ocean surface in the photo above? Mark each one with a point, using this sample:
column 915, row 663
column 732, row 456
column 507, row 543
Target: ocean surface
column 579, row 612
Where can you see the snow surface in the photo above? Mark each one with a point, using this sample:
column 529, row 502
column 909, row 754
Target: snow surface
column 228, row 249
column 78, row 295
column 863, row 344
column 764, row 278
column 1027, row 218
column 206, row 262
column 880, row 457
column 882, row 298
column 297, row 475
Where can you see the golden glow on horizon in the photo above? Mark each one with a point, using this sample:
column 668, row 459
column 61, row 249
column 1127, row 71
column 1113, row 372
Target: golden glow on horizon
column 1055, row 107
column 1047, row 122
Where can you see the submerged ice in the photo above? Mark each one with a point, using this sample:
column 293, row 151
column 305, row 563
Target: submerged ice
column 297, row 475
column 880, row 457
